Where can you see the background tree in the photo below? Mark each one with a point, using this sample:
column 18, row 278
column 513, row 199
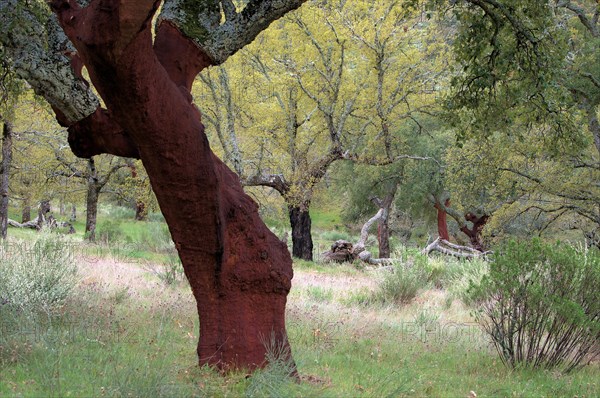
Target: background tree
column 314, row 95
column 547, row 53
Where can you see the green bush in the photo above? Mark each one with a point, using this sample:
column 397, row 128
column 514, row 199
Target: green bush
column 156, row 237
column 36, row 277
column 459, row 274
column 540, row 304
column 404, row 282
column 109, row 231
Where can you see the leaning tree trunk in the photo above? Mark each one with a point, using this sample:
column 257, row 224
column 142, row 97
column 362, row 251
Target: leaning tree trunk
column 383, row 236
column 240, row 273
column 302, row 244
column 383, row 228
column 26, row 213
column 6, row 161
column 442, row 222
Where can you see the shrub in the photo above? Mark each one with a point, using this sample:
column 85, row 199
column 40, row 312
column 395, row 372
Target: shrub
column 156, row 237
column 109, row 231
column 540, row 304
column 403, row 283
column 459, row 274
column 36, row 277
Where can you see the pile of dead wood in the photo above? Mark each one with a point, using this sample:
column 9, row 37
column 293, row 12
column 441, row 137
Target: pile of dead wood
column 451, row 249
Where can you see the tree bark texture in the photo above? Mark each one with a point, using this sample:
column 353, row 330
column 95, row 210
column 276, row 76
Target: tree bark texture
column 26, row 213
column 91, row 201
column 302, row 244
column 442, row 222
column 239, row 272
column 6, row 161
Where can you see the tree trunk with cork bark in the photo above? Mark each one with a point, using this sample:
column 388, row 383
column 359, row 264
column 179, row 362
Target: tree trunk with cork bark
column 239, row 272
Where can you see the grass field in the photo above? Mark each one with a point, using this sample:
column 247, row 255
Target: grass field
column 124, row 332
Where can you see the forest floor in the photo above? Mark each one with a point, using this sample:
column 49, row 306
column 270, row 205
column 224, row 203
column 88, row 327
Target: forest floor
column 127, row 333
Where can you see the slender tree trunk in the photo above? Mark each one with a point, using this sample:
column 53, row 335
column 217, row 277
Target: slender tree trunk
column 6, row 161
column 383, row 228
column 302, row 244
column 73, row 217
column 26, row 213
column 43, row 210
column 91, row 201
column 442, row 221
column 140, row 210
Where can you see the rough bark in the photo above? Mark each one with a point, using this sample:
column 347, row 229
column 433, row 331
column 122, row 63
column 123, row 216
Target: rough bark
column 43, row 210
column 239, row 272
column 302, row 244
column 140, row 210
column 383, row 228
column 91, row 201
column 26, row 213
column 6, row 162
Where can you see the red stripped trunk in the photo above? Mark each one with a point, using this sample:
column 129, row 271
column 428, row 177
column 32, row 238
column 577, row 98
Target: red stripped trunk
column 442, row 222
column 239, row 272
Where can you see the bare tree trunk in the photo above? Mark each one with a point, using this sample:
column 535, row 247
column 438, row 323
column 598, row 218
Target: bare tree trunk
column 43, row 210
column 302, row 244
column 26, row 213
column 73, row 217
column 442, row 222
column 383, row 228
column 91, row 201
column 140, row 210
column 6, row 161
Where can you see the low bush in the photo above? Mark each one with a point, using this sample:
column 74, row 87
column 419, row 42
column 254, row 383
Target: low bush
column 36, row 276
column 109, row 231
column 540, row 304
column 402, row 284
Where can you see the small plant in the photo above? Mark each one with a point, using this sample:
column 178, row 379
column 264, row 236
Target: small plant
column 169, row 273
column 320, row 294
column 109, row 231
column 37, row 276
column 402, row 284
column 540, row 304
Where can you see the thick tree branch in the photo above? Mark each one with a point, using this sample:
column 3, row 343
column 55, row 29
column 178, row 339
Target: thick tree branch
column 201, row 22
column 590, row 25
column 39, row 58
column 275, row 181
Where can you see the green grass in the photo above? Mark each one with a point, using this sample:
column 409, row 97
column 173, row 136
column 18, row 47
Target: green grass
column 120, row 342
column 137, row 348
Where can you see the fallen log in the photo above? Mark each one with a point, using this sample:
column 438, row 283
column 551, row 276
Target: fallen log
column 344, row 251
column 451, row 249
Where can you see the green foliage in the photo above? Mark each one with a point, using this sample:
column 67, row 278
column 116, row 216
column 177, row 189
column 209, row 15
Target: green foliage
column 35, row 278
column 109, row 231
column 540, row 304
column 401, row 285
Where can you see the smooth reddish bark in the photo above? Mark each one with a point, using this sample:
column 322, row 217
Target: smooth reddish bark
column 239, row 272
column 442, row 222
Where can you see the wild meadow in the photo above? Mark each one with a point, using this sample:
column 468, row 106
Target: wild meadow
column 117, row 319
